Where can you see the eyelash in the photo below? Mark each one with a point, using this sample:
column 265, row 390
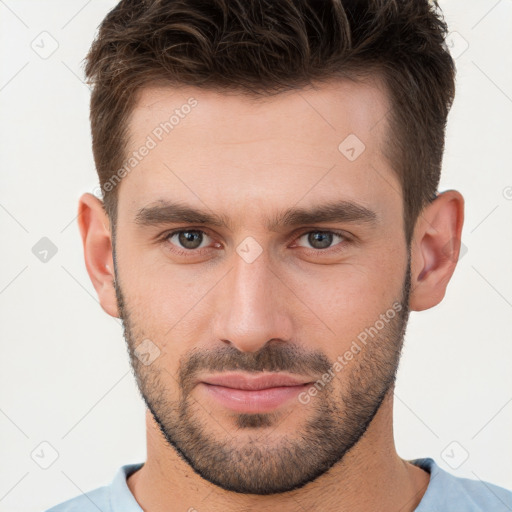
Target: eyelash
column 165, row 238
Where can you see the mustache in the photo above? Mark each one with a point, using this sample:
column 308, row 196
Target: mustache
column 272, row 357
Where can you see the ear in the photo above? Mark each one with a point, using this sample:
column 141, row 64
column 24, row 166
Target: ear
column 97, row 241
column 435, row 249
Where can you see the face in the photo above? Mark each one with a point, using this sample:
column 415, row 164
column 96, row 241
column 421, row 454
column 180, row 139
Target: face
column 260, row 238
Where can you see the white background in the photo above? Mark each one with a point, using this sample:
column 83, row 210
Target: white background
column 65, row 375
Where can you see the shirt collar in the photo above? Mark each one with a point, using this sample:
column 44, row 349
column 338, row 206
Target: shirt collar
column 121, row 498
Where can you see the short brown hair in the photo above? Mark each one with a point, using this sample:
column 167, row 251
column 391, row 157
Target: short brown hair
column 263, row 47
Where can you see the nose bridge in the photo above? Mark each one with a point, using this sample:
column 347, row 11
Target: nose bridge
column 252, row 306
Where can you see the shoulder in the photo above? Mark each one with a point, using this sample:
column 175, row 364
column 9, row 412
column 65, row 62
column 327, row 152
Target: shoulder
column 445, row 490
column 92, row 501
column 115, row 497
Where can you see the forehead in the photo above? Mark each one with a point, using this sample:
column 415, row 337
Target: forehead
column 228, row 151
column 335, row 106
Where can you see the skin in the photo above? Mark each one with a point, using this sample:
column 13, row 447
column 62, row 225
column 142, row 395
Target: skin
column 249, row 160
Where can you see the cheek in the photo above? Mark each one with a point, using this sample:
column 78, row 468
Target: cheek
column 158, row 293
column 171, row 310
column 349, row 300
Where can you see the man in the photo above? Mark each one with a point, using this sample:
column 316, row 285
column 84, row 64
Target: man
column 270, row 216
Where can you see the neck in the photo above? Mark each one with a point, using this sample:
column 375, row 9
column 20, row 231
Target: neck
column 370, row 477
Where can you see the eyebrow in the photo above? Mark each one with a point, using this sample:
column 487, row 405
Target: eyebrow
column 168, row 212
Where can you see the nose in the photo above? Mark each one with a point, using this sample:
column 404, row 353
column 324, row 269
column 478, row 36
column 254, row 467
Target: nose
column 253, row 306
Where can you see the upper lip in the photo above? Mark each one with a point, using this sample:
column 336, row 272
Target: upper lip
column 254, row 382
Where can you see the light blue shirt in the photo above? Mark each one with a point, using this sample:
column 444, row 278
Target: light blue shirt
column 445, row 493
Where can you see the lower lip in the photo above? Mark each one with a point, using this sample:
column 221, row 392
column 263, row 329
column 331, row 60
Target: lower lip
column 253, row 401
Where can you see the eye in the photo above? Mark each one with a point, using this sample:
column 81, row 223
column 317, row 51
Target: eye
column 189, row 239
column 322, row 239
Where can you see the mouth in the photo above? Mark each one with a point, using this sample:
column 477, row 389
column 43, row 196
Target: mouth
column 253, row 394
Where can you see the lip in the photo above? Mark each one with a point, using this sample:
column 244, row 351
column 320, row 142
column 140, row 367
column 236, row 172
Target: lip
column 253, row 394
column 254, row 382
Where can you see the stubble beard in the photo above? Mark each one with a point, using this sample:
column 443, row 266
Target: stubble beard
column 251, row 458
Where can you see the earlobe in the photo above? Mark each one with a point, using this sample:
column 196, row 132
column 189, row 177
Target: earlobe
column 97, row 242
column 435, row 249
